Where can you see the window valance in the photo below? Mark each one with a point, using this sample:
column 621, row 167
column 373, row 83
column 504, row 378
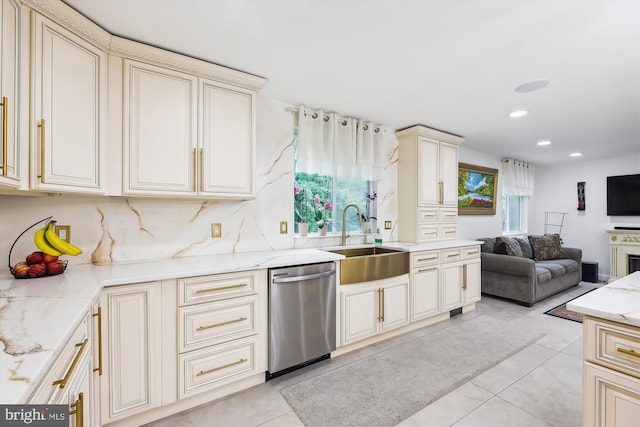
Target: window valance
column 518, row 177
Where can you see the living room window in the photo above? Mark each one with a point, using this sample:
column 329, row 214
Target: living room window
column 518, row 183
column 514, row 214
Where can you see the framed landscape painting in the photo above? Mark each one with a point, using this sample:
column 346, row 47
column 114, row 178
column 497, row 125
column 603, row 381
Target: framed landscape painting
column 477, row 187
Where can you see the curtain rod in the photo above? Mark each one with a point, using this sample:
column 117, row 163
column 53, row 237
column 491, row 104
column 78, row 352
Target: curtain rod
column 314, row 115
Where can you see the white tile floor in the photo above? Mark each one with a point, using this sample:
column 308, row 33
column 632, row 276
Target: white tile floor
column 539, row 386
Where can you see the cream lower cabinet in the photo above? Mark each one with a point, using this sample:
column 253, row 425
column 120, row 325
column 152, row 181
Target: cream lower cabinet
column 131, row 328
column 460, row 279
column 611, row 382
column 70, row 381
column 425, row 284
column 68, row 110
column 373, row 308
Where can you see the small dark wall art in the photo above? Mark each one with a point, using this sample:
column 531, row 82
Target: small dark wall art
column 581, row 205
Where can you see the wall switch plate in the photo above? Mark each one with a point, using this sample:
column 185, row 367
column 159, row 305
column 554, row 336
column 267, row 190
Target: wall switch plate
column 63, row 231
column 216, row 230
column 283, row 227
column 387, row 225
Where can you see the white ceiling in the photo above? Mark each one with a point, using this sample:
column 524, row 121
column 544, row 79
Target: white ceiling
column 452, row 65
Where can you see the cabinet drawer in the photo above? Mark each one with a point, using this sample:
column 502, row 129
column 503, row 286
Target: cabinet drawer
column 428, row 233
column 428, row 215
column 423, row 259
column 213, row 323
column 64, row 367
column 449, row 215
column 206, row 369
column 469, row 252
column 448, row 231
column 613, row 345
column 213, row 288
column 451, row 255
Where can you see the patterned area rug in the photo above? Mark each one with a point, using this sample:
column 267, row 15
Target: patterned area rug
column 562, row 312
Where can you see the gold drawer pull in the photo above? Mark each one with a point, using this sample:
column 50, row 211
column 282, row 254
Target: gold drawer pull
column 452, row 255
column 228, row 365
column 221, row 288
column 79, row 411
column 427, row 259
column 424, row 270
column 472, row 252
column 63, row 381
column 629, row 352
column 202, row 328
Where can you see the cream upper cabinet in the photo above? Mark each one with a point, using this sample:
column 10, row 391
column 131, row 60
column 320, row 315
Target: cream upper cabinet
column 160, row 130
column 227, row 141
column 185, row 135
column 428, row 183
column 68, row 125
column 10, row 60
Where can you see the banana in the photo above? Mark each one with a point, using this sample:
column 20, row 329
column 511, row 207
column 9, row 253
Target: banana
column 43, row 245
column 54, row 240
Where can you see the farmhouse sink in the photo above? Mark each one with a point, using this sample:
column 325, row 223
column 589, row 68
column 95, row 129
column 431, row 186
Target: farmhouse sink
column 370, row 263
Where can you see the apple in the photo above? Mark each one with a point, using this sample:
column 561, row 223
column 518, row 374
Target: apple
column 55, row 267
column 21, row 270
column 35, row 258
column 37, row 270
column 48, row 258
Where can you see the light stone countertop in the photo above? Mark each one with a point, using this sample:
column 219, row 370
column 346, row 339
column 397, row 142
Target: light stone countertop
column 37, row 316
column 618, row 301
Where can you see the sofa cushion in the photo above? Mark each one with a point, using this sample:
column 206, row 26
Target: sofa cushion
column 554, row 268
column 489, row 244
column 569, row 265
column 546, row 247
column 542, row 275
column 525, row 246
column 507, row 246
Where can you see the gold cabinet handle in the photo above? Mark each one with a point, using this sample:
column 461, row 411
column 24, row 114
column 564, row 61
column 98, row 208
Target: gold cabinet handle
column 99, row 316
column 631, row 352
column 464, row 277
column 221, row 288
column 379, row 306
column 202, row 328
column 452, row 255
column 42, row 162
column 5, row 106
column 201, row 168
column 441, row 183
column 63, row 381
column 424, row 270
column 427, row 259
column 195, row 170
column 79, row 410
column 382, row 304
column 228, row 365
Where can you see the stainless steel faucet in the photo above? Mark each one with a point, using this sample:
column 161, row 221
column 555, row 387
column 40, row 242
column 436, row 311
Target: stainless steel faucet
column 344, row 221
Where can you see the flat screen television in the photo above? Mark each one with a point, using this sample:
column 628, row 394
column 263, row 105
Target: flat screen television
column 623, row 195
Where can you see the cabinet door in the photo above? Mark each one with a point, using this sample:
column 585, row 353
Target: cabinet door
column 395, row 305
column 428, row 172
column 227, row 123
column 448, row 162
column 80, row 396
column 9, row 92
column 97, row 363
column 69, row 110
column 160, row 131
column 612, row 399
column 425, row 288
column 359, row 314
column 471, row 280
column 451, row 286
column 131, row 381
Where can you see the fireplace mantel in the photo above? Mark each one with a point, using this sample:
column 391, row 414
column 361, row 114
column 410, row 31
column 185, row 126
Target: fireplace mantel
column 622, row 243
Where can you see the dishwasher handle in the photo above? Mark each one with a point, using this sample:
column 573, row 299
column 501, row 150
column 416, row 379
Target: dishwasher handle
column 302, row 278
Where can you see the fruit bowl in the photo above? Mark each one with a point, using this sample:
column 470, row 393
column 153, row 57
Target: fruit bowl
column 42, row 263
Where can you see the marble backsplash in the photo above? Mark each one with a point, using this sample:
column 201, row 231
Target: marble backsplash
column 125, row 229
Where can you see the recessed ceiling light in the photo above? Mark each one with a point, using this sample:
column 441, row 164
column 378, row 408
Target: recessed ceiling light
column 532, row 86
column 518, row 113
column 575, row 154
column 545, row 142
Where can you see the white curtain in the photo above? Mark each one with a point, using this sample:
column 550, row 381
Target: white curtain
column 518, row 177
column 329, row 144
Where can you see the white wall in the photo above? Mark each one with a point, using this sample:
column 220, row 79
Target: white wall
column 556, row 191
column 476, row 226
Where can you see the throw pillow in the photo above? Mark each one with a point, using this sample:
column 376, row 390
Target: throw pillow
column 508, row 246
column 525, row 246
column 546, row 247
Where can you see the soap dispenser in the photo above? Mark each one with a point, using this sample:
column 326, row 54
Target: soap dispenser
column 378, row 237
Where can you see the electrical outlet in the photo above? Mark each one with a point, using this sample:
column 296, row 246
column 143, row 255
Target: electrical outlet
column 63, row 231
column 216, row 229
column 283, row 227
column 387, row 225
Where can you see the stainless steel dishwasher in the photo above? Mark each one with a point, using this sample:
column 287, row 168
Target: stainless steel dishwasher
column 302, row 316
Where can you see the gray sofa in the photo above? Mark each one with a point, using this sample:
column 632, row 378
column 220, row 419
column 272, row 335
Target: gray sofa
column 527, row 277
